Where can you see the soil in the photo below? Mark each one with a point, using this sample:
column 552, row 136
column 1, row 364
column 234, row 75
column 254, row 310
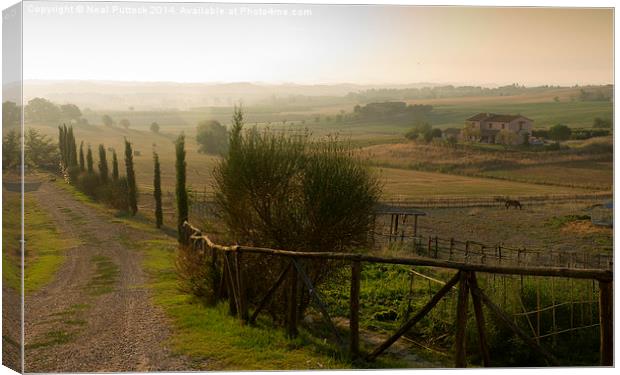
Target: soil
column 96, row 315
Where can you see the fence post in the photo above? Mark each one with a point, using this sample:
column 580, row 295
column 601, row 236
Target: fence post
column 430, row 245
column 354, row 343
column 243, row 303
column 292, row 305
column 460, row 359
column 451, row 247
column 466, row 250
column 606, row 316
column 436, row 246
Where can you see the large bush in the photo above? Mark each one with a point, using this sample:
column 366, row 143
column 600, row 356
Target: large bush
column 286, row 191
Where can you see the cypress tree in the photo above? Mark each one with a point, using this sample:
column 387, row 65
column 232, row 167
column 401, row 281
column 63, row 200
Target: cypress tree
column 103, row 164
column 72, row 160
column 114, row 166
column 61, row 144
column 89, row 161
column 82, row 166
column 181, row 190
column 131, row 178
column 159, row 217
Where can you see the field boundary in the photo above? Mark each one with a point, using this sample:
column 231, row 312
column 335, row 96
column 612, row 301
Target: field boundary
column 228, row 262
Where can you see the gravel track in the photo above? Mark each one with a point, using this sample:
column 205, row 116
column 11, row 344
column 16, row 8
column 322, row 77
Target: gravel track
column 96, row 315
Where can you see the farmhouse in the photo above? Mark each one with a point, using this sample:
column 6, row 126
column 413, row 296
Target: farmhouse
column 497, row 128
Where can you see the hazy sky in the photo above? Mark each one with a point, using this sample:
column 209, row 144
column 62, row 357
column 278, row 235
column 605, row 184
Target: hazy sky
column 325, row 44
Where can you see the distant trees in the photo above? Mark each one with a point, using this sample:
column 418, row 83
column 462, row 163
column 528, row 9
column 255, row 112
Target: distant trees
column 601, row 123
column 41, row 110
column 155, row 127
column 507, row 138
column 423, row 132
column 132, row 191
column 124, row 123
column 70, row 113
column 559, row 132
column 212, row 137
column 107, row 120
column 159, row 217
column 181, row 188
column 11, row 114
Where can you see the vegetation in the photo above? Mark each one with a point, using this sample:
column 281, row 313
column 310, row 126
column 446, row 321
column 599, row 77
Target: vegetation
column 212, row 137
column 103, row 165
column 285, row 191
column 154, row 127
column 159, row 216
column 114, row 166
column 181, row 189
column 559, row 132
column 132, row 192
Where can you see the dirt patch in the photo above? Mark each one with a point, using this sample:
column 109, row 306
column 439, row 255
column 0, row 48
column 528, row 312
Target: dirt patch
column 584, row 228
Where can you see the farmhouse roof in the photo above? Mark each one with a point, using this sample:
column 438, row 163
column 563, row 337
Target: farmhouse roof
column 493, row 117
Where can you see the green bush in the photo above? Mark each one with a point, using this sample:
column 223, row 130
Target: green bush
column 285, row 191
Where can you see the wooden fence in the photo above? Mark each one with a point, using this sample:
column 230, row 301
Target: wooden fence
column 483, row 253
column 492, row 201
column 464, row 280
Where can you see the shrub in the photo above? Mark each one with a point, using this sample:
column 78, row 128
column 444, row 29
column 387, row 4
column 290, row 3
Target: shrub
column 285, row 191
column 89, row 184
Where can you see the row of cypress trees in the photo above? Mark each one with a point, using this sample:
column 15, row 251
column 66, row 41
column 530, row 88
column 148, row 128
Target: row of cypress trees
column 81, row 168
column 119, row 192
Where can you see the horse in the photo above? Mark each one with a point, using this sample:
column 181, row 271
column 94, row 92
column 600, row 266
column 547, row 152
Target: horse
column 513, row 203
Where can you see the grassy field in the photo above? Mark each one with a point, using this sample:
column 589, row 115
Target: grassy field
column 585, row 165
column 44, row 245
column 448, row 112
column 396, row 162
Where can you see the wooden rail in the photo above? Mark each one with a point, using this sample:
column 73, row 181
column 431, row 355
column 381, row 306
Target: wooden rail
column 464, row 278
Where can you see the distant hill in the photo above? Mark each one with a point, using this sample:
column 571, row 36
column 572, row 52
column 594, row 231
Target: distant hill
column 98, row 95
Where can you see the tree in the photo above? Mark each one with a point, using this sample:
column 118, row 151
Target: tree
column 155, row 127
column 70, row 112
column 11, row 155
column 159, row 217
column 82, row 165
column 39, row 152
column 181, row 189
column 559, row 132
column 212, row 137
column 10, row 114
column 107, row 120
column 124, row 123
column 601, row 123
column 41, row 110
column 62, row 138
column 131, row 178
column 507, row 138
column 103, row 164
column 72, row 156
column 89, row 161
column 114, row 166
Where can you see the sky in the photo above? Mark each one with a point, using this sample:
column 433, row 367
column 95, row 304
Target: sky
column 317, row 44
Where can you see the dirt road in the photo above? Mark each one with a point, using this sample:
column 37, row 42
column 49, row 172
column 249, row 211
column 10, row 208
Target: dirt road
column 96, row 315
